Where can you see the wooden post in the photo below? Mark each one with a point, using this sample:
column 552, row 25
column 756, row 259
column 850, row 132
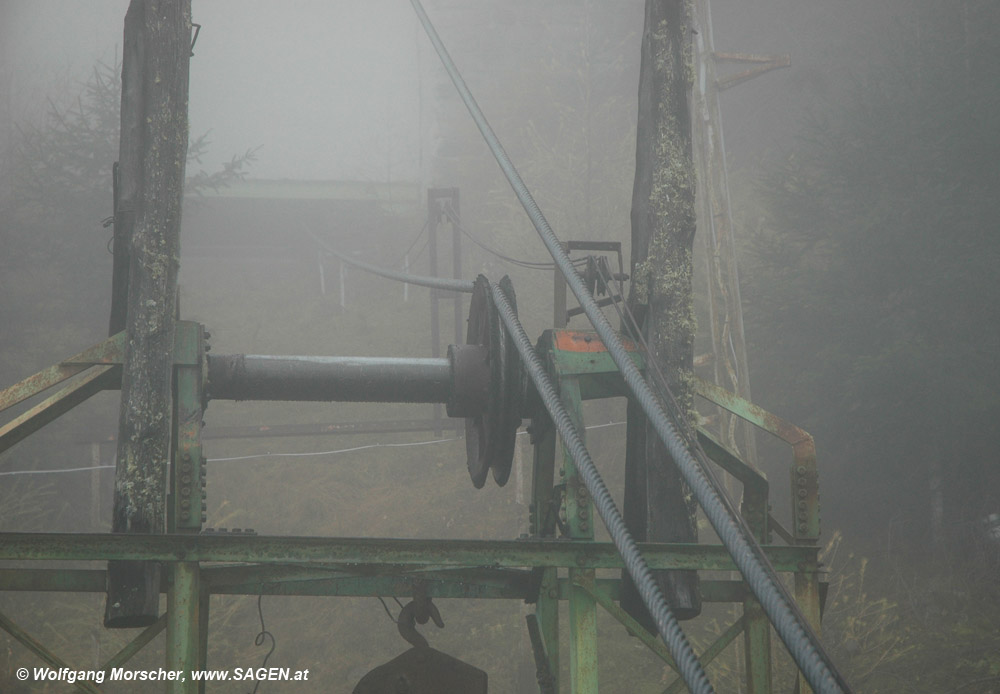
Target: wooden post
column 658, row 507
column 157, row 49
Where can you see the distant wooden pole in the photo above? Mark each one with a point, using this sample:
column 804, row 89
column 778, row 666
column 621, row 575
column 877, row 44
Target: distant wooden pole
column 155, row 59
column 658, row 507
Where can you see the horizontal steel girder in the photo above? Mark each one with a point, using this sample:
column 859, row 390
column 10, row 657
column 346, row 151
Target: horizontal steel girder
column 377, row 555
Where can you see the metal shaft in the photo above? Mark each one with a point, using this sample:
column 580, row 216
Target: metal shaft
column 328, row 379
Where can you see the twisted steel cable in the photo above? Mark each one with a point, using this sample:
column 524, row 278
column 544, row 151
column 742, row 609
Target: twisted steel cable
column 687, row 662
column 795, row 632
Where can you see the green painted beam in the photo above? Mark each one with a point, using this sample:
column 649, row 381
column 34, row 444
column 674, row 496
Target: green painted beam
column 376, row 555
column 136, row 644
column 39, row 649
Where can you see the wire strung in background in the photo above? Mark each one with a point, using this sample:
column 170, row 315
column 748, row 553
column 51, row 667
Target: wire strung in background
column 528, row 264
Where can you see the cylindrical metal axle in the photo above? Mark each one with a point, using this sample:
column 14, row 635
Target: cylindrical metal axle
column 328, row 379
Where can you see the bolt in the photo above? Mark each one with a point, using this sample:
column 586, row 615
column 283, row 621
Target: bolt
column 553, row 593
column 584, row 525
column 802, row 493
column 185, row 491
column 802, row 527
column 801, row 470
column 802, row 504
column 582, row 512
column 185, row 503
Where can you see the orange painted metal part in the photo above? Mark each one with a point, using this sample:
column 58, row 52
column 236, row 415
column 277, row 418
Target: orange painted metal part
column 580, row 341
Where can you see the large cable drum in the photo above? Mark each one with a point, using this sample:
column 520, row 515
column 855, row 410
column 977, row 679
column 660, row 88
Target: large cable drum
column 490, row 435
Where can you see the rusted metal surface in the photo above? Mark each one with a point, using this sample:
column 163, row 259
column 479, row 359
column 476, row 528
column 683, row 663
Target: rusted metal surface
column 755, row 487
column 602, row 598
column 582, row 341
column 764, row 63
column 384, row 552
column 136, row 644
column 186, row 500
column 50, row 409
column 106, row 352
column 39, row 649
column 183, row 619
column 804, row 474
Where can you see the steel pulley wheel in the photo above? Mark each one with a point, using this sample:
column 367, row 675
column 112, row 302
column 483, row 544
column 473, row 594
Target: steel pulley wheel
column 490, row 435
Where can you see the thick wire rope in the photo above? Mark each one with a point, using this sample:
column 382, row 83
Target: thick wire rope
column 795, row 632
column 687, row 662
column 402, row 258
column 448, row 284
column 659, row 381
column 528, row 264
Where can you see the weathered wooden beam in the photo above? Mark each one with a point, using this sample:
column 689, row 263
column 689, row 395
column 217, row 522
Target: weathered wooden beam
column 657, row 505
column 153, row 150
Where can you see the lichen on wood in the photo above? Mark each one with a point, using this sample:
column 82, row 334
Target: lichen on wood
column 153, row 153
column 658, row 506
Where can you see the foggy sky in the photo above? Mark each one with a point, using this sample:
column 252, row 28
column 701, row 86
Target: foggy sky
column 326, row 89
column 330, row 89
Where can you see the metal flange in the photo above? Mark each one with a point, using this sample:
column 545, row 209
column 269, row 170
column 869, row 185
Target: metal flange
column 490, row 435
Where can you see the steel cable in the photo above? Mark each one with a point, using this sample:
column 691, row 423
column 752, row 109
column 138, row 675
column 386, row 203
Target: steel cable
column 797, row 635
column 445, row 283
column 687, row 662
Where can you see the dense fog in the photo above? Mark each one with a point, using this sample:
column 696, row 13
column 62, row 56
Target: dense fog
column 862, row 182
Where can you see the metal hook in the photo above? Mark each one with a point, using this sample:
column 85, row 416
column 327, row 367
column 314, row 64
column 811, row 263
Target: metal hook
column 417, row 611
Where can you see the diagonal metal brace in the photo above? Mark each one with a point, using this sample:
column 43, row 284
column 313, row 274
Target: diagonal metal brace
column 136, row 644
column 39, row 649
column 107, row 352
column 763, row 63
column 101, row 378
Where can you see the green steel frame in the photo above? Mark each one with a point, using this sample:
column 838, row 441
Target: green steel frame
column 538, row 569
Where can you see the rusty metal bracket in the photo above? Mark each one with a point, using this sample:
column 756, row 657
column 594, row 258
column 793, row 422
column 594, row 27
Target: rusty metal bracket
column 804, row 474
column 106, row 352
